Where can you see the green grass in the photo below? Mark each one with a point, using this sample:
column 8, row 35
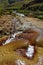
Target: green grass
column 35, row 14
column 18, row 5
column 3, row 4
column 26, row 12
column 34, row 5
column 40, row 17
column 1, row 8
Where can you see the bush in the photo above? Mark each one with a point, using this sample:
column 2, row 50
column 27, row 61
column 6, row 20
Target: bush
column 40, row 17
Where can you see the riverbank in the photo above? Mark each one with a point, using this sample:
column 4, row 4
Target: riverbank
column 10, row 24
column 35, row 21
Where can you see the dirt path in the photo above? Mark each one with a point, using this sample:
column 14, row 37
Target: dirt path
column 35, row 21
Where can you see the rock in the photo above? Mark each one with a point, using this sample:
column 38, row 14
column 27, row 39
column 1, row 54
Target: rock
column 39, row 42
column 21, row 25
column 17, row 23
column 29, row 35
column 7, row 27
column 39, row 39
column 1, row 29
column 10, row 57
column 30, row 30
column 3, row 39
column 26, row 25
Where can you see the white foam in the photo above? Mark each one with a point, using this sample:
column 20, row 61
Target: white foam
column 22, row 15
column 13, row 35
column 30, row 51
column 19, row 62
column 11, row 39
column 8, row 41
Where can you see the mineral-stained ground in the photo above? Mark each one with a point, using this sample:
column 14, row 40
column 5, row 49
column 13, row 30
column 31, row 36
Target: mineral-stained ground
column 6, row 25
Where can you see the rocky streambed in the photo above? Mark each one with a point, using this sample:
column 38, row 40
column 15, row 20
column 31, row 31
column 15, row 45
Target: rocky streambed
column 21, row 42
column 11, row 26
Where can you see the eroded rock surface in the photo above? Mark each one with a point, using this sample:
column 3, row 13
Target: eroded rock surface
column 6, row 25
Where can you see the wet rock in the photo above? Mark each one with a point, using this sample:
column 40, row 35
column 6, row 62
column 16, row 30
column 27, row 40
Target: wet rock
column 3, row 39
column 28, row 36
column 40, row 42
column 39, row 39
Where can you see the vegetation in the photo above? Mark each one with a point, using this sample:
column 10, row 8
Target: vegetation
column 23, row 6
column 3, row 5
column 40, row 17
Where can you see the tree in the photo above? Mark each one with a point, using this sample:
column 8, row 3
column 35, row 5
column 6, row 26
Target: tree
column 38, row 1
